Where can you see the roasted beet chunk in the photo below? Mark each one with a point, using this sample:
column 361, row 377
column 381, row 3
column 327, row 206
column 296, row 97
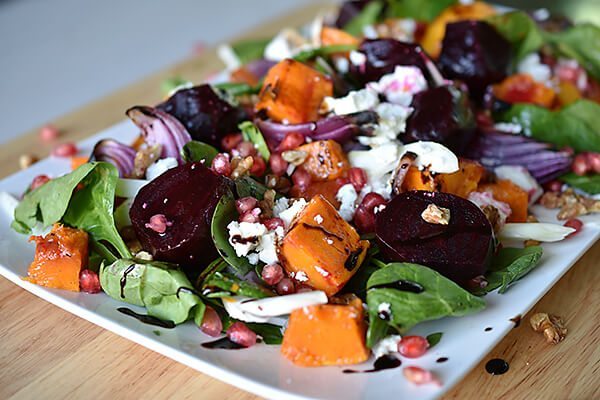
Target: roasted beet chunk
column 441, row 114
column 172, row 214
column 206, row 116
column 460, row 250
column 473, row 52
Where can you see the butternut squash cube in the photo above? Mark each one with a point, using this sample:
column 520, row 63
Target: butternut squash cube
column 507, row 192
column 462, row 182
column 293, row 92
column 321, row 249
column 326, row 160
column 328, row 334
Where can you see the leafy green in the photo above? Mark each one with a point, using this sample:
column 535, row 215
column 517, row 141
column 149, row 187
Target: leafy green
column 589, row 183
column 251, row 133
column 417, row 9
column 324, row 51
column 171, row 84
column 434, row 339
column 195, row 151
column 576, row 125
column 581, row 42
column 232, row 285
column 247, row 186
column 271, row 334
column 440, row 298
column 368, row 16
column 250, row 50
column 238, row 88
column 164, row 290
column 510, row 265
column 520, row 30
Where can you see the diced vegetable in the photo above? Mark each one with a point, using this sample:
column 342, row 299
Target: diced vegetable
column 507, row 192
column 325, row 161
column 329, row 334
column 331, row 36
column 521, row 88
column 327, row 189
column 462, row 182
column 78, row 161
column 321, row 249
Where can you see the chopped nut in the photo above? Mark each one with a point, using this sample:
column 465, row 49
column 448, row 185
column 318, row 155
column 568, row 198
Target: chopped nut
column 570, row 203
column 493, row 216
column 267, row 203
column 436, row 215
column 551, row 326
column 241, row 166
column 294, row 157
column 144, row 158
column 531, row 242
column 134, row 246
column 27, row 160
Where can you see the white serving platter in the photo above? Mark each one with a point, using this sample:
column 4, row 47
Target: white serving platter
column 261, row 369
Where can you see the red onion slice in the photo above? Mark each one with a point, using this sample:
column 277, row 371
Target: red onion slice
column 120, row 155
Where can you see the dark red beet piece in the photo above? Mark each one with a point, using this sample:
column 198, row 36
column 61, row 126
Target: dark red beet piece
column 473, row 52
column 460, row 250
column 205, row 115
column 442, row 114
column 187, row 196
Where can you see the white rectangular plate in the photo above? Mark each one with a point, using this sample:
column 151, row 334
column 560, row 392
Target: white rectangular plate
column 261, row 369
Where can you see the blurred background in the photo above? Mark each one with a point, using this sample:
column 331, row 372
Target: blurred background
column 57, row 55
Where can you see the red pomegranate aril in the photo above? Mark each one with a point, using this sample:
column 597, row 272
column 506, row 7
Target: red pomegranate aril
column 285, row 286
column 358, row 178
column 553, row 186
column 48, row 133
column 574, row 223
column 278, row 164
column 89, row 281
column 342, row 181
column 274, row 223
column 364, row 217
column 301, row 178
column 272, row 274
column 211, row 323
column 39, row 181
column 251, row 216
column 65, row 150
column 580, row 165
column 593, row 162
column 231, row 141
column 291, row 141
column 259, row 166
column 413, row 346
column 246, row 204
column 221, row 164
column 245, row 149
column 420, row 376
column 158, row 223
column 239, row 333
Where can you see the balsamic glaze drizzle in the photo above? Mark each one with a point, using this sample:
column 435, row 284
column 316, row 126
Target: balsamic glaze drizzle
column 147, row 319
column 517, row 320
column 387, row 361
column 441, row 359
column 123, row 280
column 223, row 343
column 496, row 366
column 406, row 286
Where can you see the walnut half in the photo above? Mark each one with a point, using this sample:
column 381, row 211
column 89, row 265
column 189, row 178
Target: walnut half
column 551, row 326
column 436, row 215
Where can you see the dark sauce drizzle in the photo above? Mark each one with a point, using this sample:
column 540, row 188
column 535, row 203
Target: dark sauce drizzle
column 441, row 359
column 147, row 319
column 517, row 320
column 387, row 361
column 496, row 366
column 224, row 343
column 123, row 280
column 489, row 328
column 406, row 286
column 186, row 290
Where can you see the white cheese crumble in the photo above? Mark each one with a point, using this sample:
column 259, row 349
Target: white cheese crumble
column 435, row 156
column 318, row 219
column 355, row 101
column 509, row 127
column 286, row 211
column 369, row 32
column 321, row 271
column 254, row 241
column 400, row 86
column 378, row 163
column 384, row 308
column 301, row 276
column 357, row 58
column 392, row 121
column 533, row 66
column 229, row 58
column 386, row 346
column 521, row 177
column 160, row 167
column 286, row 44
column 347, row 197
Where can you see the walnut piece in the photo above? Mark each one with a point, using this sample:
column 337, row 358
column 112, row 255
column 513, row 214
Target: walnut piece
column 436, row 215
column 241, row 166
column 493, row 215
column 551, row 326
column 570, row 203
column 294, row 157
column 145, row 157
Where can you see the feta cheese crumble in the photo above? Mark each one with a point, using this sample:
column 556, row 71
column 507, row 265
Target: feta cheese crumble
column 533, row 66
column 437, row 157
column 254, row 241
column 286, row 44
column 286, row 211
column 400, row 86
column 347, row 197
column 355, row 101
column 386, row 346
column 301, row 276
column 318, row 219
column 392, row 121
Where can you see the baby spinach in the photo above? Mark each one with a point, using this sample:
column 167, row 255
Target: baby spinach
column 250, row 50
column 251, row 133
column 232, row 285
column 368, row 16
column 271, row 334
column 170, row 84
column 520, row 30
column 417, row 9
column 195, row 151
column 589, row 183
column 510, row 265
column 440, row 298
column 581, row 42
column 434, row 338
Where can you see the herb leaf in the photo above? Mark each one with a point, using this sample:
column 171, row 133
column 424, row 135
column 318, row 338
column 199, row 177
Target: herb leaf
column 417, row 9
column 368, row 16
column 271, row 334
column 234, row 286
column 195, row 151
column 251, row 133
column 589, row 183
column 434, row 338
column 249, row 50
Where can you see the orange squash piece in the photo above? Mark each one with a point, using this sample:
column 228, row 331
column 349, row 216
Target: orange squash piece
column 507, row 192
column 522, row 88
column 329, row 334
column 78, row 161
column 332, row 37
column 59, row 258
column 462, row 182
column 321, row 249
column 418, row 180
column 567, row 93
column 326, row 160
column 327, row 189
column 293, row 92
column 434, row 34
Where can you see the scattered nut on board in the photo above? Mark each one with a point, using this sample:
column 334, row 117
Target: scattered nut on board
column 27, row 160
column 552, row 326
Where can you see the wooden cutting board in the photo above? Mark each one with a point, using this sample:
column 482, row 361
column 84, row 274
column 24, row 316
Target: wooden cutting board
column 46, row 352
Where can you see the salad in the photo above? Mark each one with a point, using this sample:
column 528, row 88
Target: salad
column 346, row 182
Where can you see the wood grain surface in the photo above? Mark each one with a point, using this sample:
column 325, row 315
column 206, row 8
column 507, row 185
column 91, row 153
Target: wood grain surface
column 47, row 353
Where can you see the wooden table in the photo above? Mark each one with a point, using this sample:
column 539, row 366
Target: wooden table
column 46, row 352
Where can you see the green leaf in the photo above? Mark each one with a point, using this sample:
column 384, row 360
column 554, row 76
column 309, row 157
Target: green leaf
column 324, row 51
column 251, row 133
column 434, row 338
column 164, row 290
column 581, row 42
column 195, row 151
column 589, row 183
column 440, row 298
column 520, row 30
column 417, row 9
column 247, row 186
column 577, row 125
column 225, row 212
column 170, row 85
column 233, row 285
column 368, row 16
column 249, row 50
column 238, row 89
column 271, row 334
column 509, row 265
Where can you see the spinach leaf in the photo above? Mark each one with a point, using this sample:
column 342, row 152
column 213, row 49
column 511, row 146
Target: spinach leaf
column 164, row 290
column 250, row 50
column 577, row 125
column 368, row 16
column 589, row 183
column 238, row 88
column 520, row 30
column 271, row 334
column 440, row 298
column 434, row 339
column 417, row 9
column 247, row 186
column 581, row 42
column 195, row 151
column 251, row 133
column 323, row 51
column 233, row 285
column 91, row 208
column 169, row 85
column 510, row 265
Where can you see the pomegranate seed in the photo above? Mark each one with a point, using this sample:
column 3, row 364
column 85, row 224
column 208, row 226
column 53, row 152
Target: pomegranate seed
column 291, row 141
column 364, row 217
column 300, row 288
column 231, row 141
column 272, row 274
column 38, row 181
column 89, row 281
column 245, row 204
column 574, row 223
column 48, row 133
column 158, row 223
column 301, row 178
column 251, row 216
column 413, row 346
column 211, row 323
column 580, row 164
column 420, row 376
column 358, row 178
column 274, row 223
column 259, row 166
column 221, row 164
column 593, row 162
column 239, row 333
column 245, row 149
column 553, row 186
column 65, row 150
column 342, row 181
column 278, row 164
column 285, row 286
